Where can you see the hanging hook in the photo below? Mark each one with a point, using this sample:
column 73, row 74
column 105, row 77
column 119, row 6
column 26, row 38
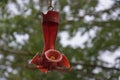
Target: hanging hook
column 50, row 7
column 50, row 3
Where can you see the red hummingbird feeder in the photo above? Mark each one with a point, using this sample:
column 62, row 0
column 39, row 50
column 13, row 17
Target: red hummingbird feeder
column 50, row 59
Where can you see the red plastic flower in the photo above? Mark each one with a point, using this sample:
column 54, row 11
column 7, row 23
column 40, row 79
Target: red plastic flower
column 50, row 59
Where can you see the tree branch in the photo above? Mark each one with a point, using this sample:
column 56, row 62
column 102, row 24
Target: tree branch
column 97, row 13
column 24, row 53
column 8, row 51
column 94, row 66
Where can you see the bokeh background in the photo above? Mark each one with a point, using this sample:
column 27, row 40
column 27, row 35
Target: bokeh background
column 89, row 35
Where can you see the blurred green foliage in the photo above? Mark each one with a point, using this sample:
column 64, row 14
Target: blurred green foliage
column 27, row 21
